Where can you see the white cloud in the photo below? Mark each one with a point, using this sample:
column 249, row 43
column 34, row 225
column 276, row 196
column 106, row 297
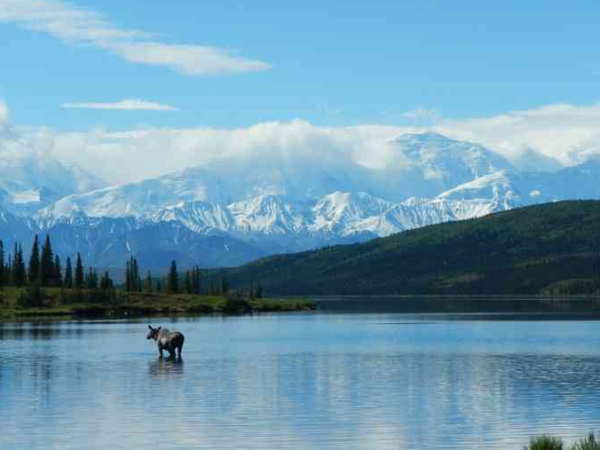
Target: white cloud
column 423, row 115
column 137, row 154
column 559, row 131
column 73, row 24
column 568, row 133
column 188, row 59
column 125, row 105
column 3, row 112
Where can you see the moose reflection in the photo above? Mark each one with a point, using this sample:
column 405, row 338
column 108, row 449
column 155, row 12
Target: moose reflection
column 171, row 341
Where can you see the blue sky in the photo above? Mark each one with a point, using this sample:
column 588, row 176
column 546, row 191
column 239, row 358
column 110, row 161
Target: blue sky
column 326, row 62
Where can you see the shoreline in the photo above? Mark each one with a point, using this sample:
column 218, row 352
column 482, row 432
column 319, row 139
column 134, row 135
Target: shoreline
column 140, row 304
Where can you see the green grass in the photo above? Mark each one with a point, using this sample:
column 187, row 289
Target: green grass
column 545, row 443
column 58, row 302
column 552, row 443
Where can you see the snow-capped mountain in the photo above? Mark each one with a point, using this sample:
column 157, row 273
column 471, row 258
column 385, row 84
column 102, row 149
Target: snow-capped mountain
column 30, row 182
column 231, row 211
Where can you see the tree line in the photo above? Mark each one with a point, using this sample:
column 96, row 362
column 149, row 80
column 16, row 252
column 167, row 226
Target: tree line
column 44, row 269
column 189, row 281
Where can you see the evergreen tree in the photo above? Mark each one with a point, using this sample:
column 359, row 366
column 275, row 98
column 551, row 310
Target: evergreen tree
column 159, row 287
column 79, row 276
column 47, row 271
column 259, row 290
column 91, row 279
column 2, row 267
column 20, row 273
column 224, row 285
column 196, row 285
column 127, row 276
column 106, row 284
column 173, row 285
column 148, row 283
column 133, row 281
column 34, row 261
column 69, row 274
column 58, row 280
column 187, row 282
column 135, row 273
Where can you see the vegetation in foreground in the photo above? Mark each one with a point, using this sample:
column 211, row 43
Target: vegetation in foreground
column 552, row 443
column 550, row 249
column 28, row 302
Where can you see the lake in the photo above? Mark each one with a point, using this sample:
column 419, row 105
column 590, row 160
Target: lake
column 300, row 381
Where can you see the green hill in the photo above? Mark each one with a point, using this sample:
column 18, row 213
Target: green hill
column 546, row 249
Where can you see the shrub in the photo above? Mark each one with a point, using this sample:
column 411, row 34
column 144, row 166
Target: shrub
column 588, row 443
column 545, row 443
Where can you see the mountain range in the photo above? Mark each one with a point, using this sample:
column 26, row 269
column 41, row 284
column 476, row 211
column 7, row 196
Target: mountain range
column 232, row 211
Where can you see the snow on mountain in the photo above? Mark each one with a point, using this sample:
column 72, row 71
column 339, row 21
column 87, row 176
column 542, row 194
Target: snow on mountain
column 339, row 212
column 429, row 164
column 424, row 166
column 238, row 209
column 201, row 217
column 29, row 182
column 270, row 214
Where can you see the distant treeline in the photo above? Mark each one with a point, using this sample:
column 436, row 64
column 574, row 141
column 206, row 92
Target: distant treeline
column 45, row 270
column 550, row 249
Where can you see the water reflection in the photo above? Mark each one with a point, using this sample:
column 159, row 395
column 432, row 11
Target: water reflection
column 299, row 382
column 166, row 367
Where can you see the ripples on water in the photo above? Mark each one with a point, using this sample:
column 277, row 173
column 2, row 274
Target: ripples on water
column 299, row 381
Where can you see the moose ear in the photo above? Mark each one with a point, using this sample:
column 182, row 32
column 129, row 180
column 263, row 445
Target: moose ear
column 149, row 327
column 159, row 328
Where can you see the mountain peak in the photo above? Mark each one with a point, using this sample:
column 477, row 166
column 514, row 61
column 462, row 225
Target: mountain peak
column 424, row 137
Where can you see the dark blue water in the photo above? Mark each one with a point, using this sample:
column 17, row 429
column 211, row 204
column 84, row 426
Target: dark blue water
column 299, row 381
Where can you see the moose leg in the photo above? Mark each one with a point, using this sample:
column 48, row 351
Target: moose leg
column 160, row 351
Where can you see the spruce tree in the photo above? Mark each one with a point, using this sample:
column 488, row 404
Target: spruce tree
column 57, row 278
column 187, row 282
column 69, row 274
column 2, row 268
column 135, row 274
column 47, row 271
column 159, row 287
column 173, row 286
column 128, row 275
column 224, row 285
column 20, row 273
column 79, row 276
column 196, row 280
column 91, row 279
column 34, row 261
column 148, row 283
column 106, row 283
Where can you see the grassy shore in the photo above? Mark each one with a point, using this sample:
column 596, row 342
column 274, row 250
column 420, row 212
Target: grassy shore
column 63, row 302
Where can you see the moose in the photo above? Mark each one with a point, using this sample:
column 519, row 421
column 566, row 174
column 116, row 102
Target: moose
column 167, row 340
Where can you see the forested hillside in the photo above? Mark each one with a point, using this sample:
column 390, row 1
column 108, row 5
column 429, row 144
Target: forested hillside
column 545, row 249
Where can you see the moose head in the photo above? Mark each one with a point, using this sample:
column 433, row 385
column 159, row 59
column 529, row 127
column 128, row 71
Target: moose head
column 153, row 333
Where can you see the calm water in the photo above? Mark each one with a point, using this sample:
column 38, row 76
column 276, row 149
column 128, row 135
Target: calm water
column 299, row 381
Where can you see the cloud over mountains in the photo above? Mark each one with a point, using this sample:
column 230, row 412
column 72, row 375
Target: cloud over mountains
column 544, row 138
